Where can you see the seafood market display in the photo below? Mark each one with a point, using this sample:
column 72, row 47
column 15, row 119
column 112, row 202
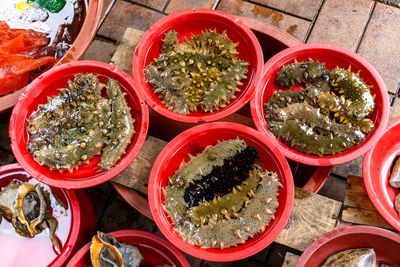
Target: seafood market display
column 203, row 72
column 34, row 35
column 28, row 207
column 79, row 123
column 220, row 198
column 328, row 116
column 106, row 251
column 358, row 257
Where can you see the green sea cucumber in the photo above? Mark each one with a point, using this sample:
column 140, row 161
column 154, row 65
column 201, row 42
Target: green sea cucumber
column 228, row 219
column 327, row 116
column 203, row 72
column 79, row 123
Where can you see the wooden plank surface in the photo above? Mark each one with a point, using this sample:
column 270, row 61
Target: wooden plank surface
column 136, row 176
column 122, row 57
column 358, row 208
column 290, row 260
column 312, row 216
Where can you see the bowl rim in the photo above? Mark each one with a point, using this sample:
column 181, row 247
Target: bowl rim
column 366, row 169
column 86, row 33
column 132, row 233
column 256, row 106
column 220, row 256
column 142, row 50
column 73, row 236
column 343, row 231
column 122, row 164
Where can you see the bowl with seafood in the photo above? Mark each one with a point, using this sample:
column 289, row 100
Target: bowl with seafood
column 381, row 173
column 220, row 191
column 78, row 125
column 43, row 221
column 197, row 65
column 323, row 105
column 38, row 34
column 128, row 248
column 365, row 246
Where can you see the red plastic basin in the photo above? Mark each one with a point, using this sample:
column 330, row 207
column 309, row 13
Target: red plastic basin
column 194, row 21
column 195, row 140
column 154, row 249
column 47, row 85
column 73, row 230
column 385, row 243
column 377, row 165
column 333, row 56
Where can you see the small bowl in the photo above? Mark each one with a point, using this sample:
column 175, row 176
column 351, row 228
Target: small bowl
column 333, row 56
column 377, row 167
column 385, row 243
column 77, row 50
column 194, row 141
column 155, row 250
column 72, row 230
column 193, row 21
column 46, row 85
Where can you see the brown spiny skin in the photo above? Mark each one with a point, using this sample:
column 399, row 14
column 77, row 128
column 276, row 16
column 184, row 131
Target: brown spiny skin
column 357, row 257
column 77, row 124
column 106, row 251
column 227, row 220
column 316, row 120
column 203, row 72
column 28, row 206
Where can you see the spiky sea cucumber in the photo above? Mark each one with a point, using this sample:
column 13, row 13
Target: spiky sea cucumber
column 228, row 219
column 327, row 117
column 203, row 72
column 79, row 123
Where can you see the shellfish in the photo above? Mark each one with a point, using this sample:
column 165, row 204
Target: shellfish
column 79, row 124
column 202, row 72
column 395, row 175
column 358, row 257
column 106, row 251
column 27, row 207
column 220, row 198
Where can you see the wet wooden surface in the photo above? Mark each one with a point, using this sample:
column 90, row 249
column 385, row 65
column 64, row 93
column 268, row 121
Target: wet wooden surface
column 358, row 208
column 312, row 216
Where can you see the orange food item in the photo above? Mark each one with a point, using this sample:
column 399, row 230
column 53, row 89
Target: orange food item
column 20, row 52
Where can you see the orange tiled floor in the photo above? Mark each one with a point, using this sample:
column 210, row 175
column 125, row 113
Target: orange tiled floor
column 367, row 27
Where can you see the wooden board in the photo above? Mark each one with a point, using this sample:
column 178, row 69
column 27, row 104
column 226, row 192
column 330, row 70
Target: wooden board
column 358, row 208
column 122, row 57
column 136, row 176
column 312, row 216
column 290, row 260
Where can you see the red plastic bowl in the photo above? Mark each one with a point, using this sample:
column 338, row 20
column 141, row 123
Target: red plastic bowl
column 195, row 140
column 154, row 249
column 194, row 21
column 377, row 166
column 385, row 243
column 79, row 206
column 47, row 85
column 333, row 56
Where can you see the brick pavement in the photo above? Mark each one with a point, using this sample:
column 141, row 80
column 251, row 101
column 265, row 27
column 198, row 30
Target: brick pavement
column 367, row 27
